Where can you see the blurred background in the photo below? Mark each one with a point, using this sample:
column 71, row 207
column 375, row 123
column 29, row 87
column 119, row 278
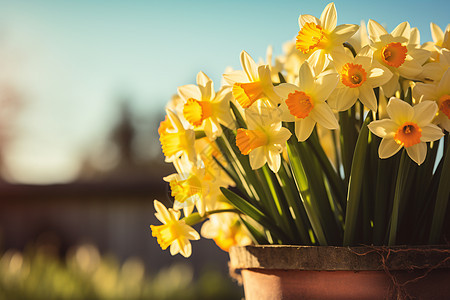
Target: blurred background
column 83, row 86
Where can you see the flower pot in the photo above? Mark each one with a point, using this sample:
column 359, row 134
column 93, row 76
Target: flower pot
column 325, row 272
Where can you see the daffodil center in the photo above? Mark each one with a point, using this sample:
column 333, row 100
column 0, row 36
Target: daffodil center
column 444, row 105
column 247, row 93
column 311, row 37
column 299, row 104
column 196, row 111
column 394, row 54
column 353, row 75
column 248, row 140
column 408, row 134
column 182, row 190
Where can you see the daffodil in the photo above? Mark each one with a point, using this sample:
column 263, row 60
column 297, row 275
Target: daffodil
column 433, row 71
column 396, row 52
column 305, row 103
column 175, row 140
column 174, row 232
column 440, row 38
column 322, row 34
column 252, row 84
column 264, row 139
column 408, row 127
column 358, row 76
column 204, row 108
column 439, row 93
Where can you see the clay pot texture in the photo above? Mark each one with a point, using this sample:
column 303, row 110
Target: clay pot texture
column 305, row 272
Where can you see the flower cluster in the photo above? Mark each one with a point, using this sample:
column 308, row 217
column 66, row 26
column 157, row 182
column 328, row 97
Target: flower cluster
column 251, row 160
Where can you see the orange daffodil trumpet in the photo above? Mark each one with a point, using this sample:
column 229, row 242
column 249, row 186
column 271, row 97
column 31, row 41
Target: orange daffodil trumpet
column 358, row 77
column 204, row 108
column 408, row 127
column 264, row 139
column 305, row 103
column 174, row 232
column 252, row 84
column 322, row 34
column 397, row 52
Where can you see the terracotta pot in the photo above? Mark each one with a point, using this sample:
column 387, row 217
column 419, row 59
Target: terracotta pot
column 304, row 272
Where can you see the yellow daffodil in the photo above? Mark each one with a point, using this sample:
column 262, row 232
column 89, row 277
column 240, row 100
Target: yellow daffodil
column 397, row 52
column 408, row 127
column 305, row 103
column 204, row 108
column 226, row 230
column 264, row 139
column 252, row 84
column 174, row 232
column 358, row 76
column 439, row 93
column 187, row 189
column 322, row 34
column 433, row 71
column 175, row 140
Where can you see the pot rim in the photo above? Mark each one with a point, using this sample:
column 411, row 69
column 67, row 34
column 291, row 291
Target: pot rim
column 333, row 258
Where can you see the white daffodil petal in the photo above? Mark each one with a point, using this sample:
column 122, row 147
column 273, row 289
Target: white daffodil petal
column 367, row 97
column 281, row 136
column 399, row 111
column 306, row 78
column 444, row 85
column 328, row 19
column 410, row 69
column 342, row 98
column 417, row 152
column 431, row 133
column 323, row 115
column 375, row 30
column 419, row 55
column 257, row 158
column 383, row 128
column 325, row 86
column 424, row 112
column 402, row 30
column 189, row 91
column 303, row 19
column 303, row 128
column 249, row 66
column 391, row 86
column 388, row 147
column 274, row 160
column 283, row 90
column 235, row 76
column 436, row 33
column 422, row 92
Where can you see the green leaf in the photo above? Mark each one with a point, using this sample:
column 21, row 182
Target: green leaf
column 443, row 195
column 248, row 209
column 355, row 184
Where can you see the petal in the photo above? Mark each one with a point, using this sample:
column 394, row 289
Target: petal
column 375, row 30
column 249, row 66
column 303, row 128
column 388, row 147
column 189, row 91
column 424, row 112
column 274, row 160
column 257, row 158
column 342, row 98
column 399, row 111
column 343, row 32
column 283, row 90
column 324, row 86
column 417, row 152
column 306, row 78
column 414, row 38
column 423, row 91
column 410, row 69
column 391, row 86
column 303, row 19
column 186, row 249
column 367, row 97
column 235, row 76
column 436, row 33
column 419, row 55
column 323, row 115
column 162, row 214
column 431, row 133
column 383, row 128
column 281, row 136
column 379, row 75
column 175, row 247
column 205, row 85
column 444, row 85
column 328, row 19
column 402, row 30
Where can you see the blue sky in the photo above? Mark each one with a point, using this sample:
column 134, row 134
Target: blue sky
column 71, row 60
